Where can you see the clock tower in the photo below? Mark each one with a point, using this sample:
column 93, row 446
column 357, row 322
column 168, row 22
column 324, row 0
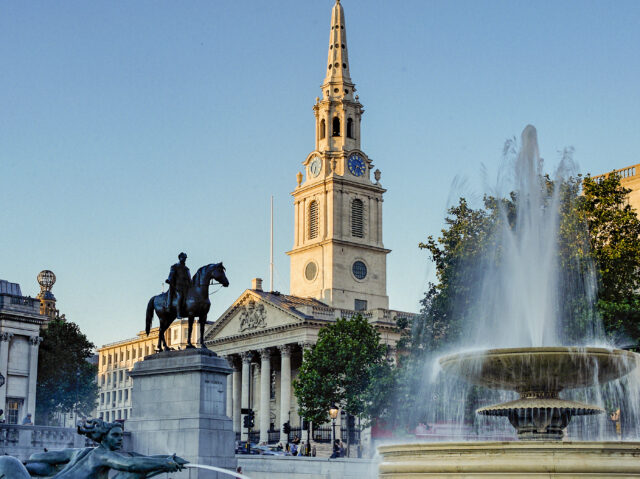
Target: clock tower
column 338, row 256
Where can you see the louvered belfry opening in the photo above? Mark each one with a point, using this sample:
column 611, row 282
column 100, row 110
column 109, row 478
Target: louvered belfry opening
column 357, row 218
column 313, row 220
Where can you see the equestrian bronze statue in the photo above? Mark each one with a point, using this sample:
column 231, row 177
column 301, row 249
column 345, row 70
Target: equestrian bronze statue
column 196, row 303
column 91, row 462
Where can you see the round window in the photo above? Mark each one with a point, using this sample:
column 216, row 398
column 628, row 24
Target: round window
column 310, row 271
column 359, row 270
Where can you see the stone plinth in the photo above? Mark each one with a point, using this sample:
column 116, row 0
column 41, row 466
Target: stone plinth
column 179, row 407
column 521, row 459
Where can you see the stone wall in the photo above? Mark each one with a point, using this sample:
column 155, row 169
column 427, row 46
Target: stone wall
column 22, row 441
column 293, row 467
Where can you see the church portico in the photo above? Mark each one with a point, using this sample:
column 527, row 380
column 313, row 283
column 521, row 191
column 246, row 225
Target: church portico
column 263, row 335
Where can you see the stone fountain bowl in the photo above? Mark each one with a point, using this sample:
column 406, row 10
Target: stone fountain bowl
column 540, row 372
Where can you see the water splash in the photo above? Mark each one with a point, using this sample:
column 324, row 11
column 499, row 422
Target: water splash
column 218, row 469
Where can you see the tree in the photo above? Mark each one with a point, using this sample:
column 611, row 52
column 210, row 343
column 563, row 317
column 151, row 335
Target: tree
column 340, row 369
column 66, row 380
column 614, row 234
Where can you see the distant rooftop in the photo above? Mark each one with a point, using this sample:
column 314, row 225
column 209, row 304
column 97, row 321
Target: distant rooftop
column 10, row 288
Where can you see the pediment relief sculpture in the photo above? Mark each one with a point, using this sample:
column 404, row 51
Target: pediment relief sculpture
column 253, row 316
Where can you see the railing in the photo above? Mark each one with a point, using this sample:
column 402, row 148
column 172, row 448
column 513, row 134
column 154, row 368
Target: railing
column 323, row 434
column 274, row 436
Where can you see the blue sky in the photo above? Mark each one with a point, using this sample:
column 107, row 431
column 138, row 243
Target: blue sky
column 131, row 131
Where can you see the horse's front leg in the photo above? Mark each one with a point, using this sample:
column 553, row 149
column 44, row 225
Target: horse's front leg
column 189, row 332
column 202, row 321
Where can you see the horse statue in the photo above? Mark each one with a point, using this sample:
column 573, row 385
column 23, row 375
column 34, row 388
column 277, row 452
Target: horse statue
column 197, row 304
column 91, row 462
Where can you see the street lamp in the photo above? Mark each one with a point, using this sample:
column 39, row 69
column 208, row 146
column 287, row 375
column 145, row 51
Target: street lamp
column 333, row 413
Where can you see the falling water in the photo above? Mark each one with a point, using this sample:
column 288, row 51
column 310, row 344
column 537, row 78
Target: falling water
column 218, row 469
column 524, row 297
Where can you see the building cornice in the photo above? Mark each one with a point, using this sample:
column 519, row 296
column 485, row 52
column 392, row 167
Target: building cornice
column 338, row 242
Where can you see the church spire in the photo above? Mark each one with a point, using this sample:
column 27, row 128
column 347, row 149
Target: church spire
column 338, row 61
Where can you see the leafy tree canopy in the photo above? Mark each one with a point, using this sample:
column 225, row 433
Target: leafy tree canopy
column 66, row 380
column 340, row 369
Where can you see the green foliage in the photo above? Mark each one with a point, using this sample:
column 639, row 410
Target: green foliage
column 66, row 381
column 614, row 233
column 347, row 367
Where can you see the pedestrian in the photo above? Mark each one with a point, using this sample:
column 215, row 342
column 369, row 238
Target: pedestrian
column 239, row 471
column 27, row 420
column 336, row 449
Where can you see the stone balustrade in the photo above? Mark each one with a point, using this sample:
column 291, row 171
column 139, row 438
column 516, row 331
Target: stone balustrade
column 22, row 441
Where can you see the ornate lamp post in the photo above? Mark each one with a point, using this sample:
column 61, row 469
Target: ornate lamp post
column 333, row 413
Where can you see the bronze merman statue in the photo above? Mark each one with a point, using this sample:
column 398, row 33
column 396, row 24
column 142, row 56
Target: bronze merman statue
column 196, row 299
column 91, row 462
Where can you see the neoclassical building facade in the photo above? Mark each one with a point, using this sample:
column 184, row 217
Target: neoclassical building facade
column 338, row 261
column 20, row 323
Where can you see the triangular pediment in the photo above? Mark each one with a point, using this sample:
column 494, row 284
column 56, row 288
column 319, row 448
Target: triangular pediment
column 255, row 312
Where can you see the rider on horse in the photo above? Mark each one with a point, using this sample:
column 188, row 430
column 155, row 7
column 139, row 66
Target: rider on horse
column 179, row 281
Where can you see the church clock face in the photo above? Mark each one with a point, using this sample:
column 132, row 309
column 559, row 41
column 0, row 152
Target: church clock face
column 315, row 166
column 356, row 165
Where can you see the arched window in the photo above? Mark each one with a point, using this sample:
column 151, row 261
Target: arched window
column 357, row 218
column 323, row 128
column 313, row 220
column 336, row 126
column 350, row 128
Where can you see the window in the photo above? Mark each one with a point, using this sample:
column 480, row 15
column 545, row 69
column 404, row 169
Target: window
column 107, row 416
column 128, row 352
column 101, row 415
column 313, row 220
column 359, row 270
column 108, row 397
column 360, row 305
column 120, row 396
column 336, row 126
column 102, row 398
column 134, row 352
column 121, row 376
column 175, row 334
column 350, row 128
column 126, row 394
column 357, row 218
column 125, row 414
column 13, row 410
column 323, row 128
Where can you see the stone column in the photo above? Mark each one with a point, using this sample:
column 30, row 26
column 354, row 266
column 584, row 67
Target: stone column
column 246, row 381
column 236, row 380
column 34, row 341
column 229, row 398
column 305, row 432
column 5, row 342
column 285, row 389
column 265, row 396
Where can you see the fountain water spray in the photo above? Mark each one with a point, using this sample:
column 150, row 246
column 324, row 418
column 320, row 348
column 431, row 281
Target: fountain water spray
column 217, row 469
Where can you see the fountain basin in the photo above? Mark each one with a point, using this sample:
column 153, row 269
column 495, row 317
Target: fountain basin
column 536, row 370
column 521, row 459
column 539, row 374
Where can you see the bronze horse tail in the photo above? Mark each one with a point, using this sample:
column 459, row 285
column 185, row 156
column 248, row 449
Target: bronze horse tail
column 149, row 316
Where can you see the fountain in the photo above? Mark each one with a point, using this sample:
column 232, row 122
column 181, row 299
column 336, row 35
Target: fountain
column 526, row 354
